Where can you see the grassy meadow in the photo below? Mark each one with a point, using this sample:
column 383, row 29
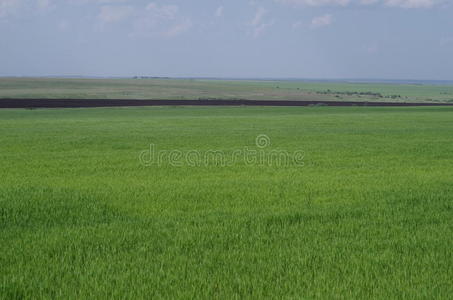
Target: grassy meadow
column 220, row 89
column 369, row 214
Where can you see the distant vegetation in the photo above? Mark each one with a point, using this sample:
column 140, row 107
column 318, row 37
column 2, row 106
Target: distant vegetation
column 145, row 87
column 360, row 94
column 150, row 77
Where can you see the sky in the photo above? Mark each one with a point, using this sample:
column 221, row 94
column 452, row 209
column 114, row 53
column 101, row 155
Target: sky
column 325, row 39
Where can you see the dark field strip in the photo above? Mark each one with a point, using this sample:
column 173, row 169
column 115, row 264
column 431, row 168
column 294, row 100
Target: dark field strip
column 76, row 103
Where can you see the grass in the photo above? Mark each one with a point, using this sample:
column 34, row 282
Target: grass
column 220, row 89
column 368, row 215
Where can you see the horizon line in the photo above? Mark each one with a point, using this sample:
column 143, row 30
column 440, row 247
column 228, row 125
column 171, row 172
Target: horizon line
column 337, row 79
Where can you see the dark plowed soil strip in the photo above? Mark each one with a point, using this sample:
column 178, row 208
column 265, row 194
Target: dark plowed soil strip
column 73, row 103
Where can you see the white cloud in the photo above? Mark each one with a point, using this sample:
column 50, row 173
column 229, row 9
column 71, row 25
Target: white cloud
column 258, row 23
column 410, row 3
column 109, row 1
column 112, row 14
column 315, row 2
column 388, row 3
column 321, row 21
column 15, row 7
column 259, row 15
column 219, row 12
column 8, row 7
column 162, row 12
column 161, row 20
column 96, row 1
column 258, row 30
column 368, row 2
column 178, row 28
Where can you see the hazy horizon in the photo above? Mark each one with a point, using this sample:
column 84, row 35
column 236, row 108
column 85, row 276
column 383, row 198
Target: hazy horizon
column 333, row 80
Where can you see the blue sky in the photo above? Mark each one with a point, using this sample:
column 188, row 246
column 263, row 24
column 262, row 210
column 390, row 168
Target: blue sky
column 386, row 39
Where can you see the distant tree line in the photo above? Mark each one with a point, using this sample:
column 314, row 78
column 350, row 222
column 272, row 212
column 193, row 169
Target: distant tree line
column 352, row 93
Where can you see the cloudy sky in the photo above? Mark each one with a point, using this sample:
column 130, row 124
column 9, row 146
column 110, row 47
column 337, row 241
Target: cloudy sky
column 392, row 39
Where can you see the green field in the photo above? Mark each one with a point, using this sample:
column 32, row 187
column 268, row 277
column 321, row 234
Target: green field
column 220, row 89
column 369, row 213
